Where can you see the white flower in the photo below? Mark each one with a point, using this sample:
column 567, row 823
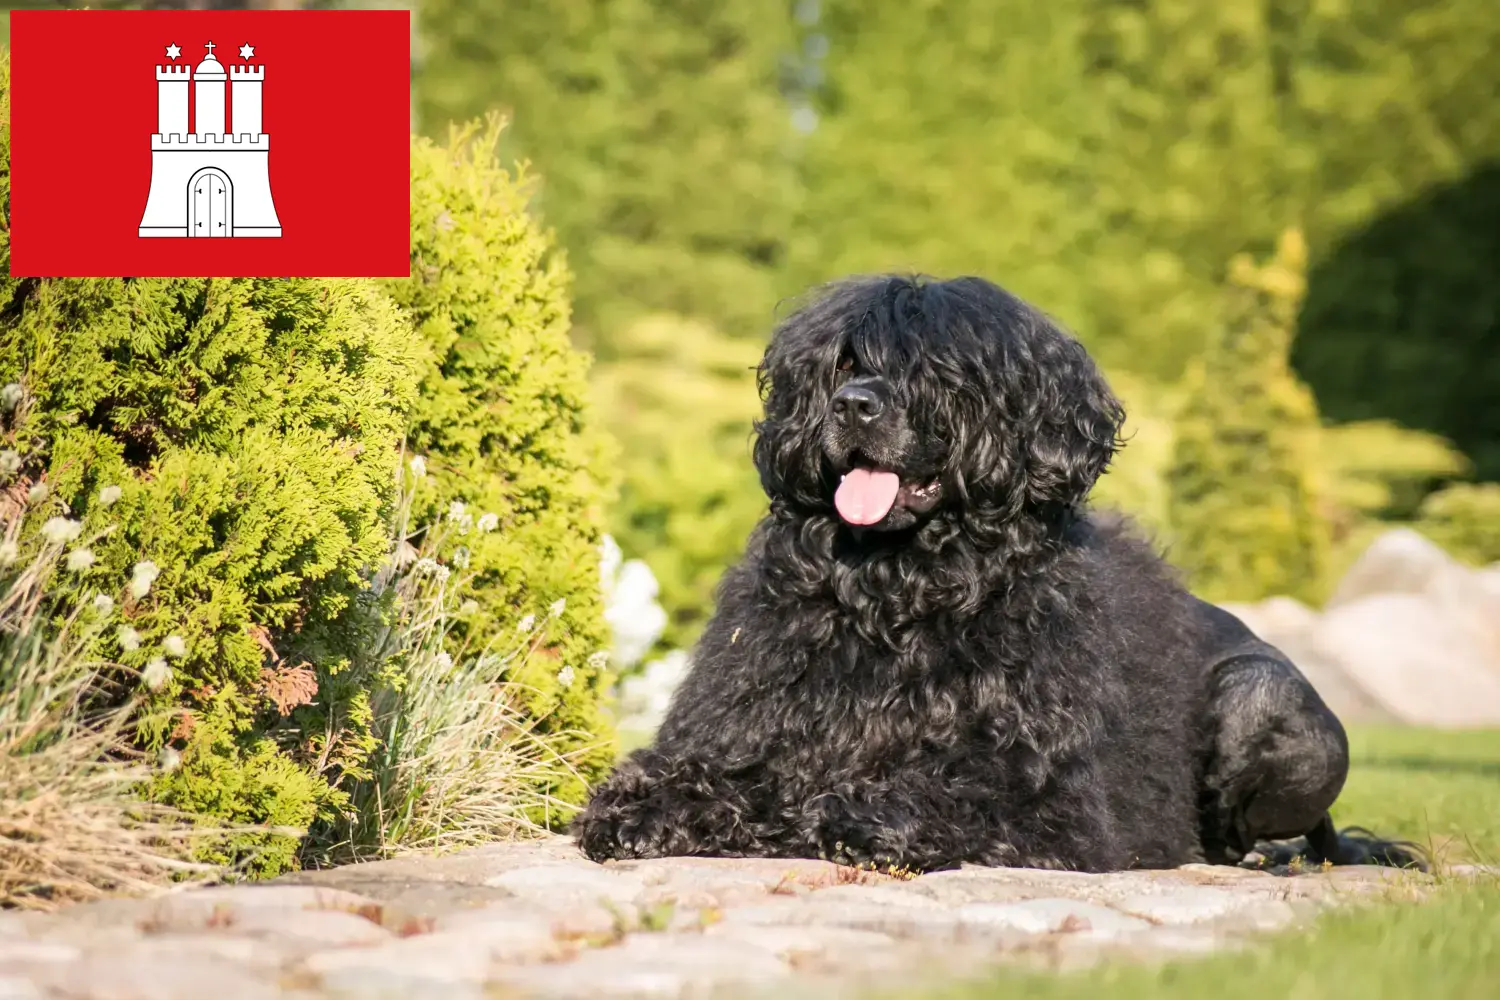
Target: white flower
column 599, row 660
column 565, row 676
column 526, row 624
column 103, row 603
column 80, row 560
column 129, row 638
column 461, row 558
column 10, row 396
column 142, row 576
column 643, row 697
column 488, row 522
column 426, row 564
column 419, row 466
column 10, row 463
column 634, row 617
column 168, row 759
column 557, row 607
column 37, row 493
column 109, row 495
column 174, row 647
column 465, row 523
column 444, row 661
column 610, row 558
column 60, row 530
column 156, row 674
column 455, row 510
column 8, row 553
column 442, row 573
column 468, row 607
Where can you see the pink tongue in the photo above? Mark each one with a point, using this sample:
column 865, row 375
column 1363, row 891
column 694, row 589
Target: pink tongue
column 865, row 495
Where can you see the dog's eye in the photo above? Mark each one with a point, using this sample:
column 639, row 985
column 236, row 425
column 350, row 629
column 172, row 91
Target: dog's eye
column 846, row 369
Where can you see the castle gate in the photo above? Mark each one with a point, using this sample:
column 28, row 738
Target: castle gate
column 210, row 203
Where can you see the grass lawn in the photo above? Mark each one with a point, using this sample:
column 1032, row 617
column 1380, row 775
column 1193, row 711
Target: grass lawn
column 1439, row 789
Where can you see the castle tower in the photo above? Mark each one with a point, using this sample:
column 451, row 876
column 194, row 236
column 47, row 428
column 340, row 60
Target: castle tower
column 172, row 99
column 210, row 182
column 208, row 95
column 245, row 82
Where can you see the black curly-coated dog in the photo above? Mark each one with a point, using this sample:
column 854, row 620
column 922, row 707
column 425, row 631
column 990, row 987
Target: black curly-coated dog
column 932, row 653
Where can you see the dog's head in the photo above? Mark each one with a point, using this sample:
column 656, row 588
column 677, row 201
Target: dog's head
column 895, row 400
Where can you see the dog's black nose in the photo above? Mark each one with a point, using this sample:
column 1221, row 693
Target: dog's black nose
column 856, row 404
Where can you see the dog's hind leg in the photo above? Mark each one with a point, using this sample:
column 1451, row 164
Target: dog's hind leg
column 1276, row 756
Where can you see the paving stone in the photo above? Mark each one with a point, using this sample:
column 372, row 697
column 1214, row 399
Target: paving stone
column 382, row 983
column 313, row 928
column 651, row 965
column 13, row 953
column 16, row 988
column 553, row 882
column 188, row 976
column 1040, row 916
column 446, row 957
column 1186, row 905
column 537, row 919
column 504, row 934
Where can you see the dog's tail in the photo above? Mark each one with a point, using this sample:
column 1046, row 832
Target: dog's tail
column 1354, row 845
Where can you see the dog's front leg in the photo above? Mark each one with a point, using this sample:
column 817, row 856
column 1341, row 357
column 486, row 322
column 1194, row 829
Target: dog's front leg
column 923, row 822
column 913, row 821
column 658, row 804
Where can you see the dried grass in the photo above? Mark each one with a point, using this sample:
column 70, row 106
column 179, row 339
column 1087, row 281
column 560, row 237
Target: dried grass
column 72, row 826
column 458, row 762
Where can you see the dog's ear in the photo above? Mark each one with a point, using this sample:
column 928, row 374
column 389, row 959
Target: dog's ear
column 786, row 449
column 1071, row 423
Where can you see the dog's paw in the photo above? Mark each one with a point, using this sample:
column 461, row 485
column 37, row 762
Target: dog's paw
column 856, row 836
column 620, row 828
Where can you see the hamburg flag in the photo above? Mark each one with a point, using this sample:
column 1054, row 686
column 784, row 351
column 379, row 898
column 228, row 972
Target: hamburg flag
column 195, row 143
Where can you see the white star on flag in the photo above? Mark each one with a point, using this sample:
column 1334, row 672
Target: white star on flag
column 174, row 50
column 247, row 50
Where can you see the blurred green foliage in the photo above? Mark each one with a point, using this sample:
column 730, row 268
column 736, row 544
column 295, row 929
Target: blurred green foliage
column 1102, row 159
column 659, row 132
column 682, row 399
column 1247, row 520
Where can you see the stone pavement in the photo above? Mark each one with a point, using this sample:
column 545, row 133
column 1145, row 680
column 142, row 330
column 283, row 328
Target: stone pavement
column 536, row 919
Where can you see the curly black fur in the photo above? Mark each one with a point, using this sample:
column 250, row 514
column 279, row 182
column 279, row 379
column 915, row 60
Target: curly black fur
column 988, row 673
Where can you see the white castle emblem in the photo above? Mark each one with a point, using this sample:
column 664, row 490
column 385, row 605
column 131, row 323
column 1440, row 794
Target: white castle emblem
column 211, row 181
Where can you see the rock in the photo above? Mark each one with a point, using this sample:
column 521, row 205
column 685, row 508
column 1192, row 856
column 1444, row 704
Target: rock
column 1399, row 561
column 1275, row 619
column 1415, row 659
column 1041, row 916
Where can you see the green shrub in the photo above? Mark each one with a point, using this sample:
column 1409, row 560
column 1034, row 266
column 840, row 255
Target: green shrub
column 1464, row 518
column 510, row 448
column 233, row 440
column 681, row 399
column 1246, row 514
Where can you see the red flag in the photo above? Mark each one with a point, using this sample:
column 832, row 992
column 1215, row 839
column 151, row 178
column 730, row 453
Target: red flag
column 281, row 137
